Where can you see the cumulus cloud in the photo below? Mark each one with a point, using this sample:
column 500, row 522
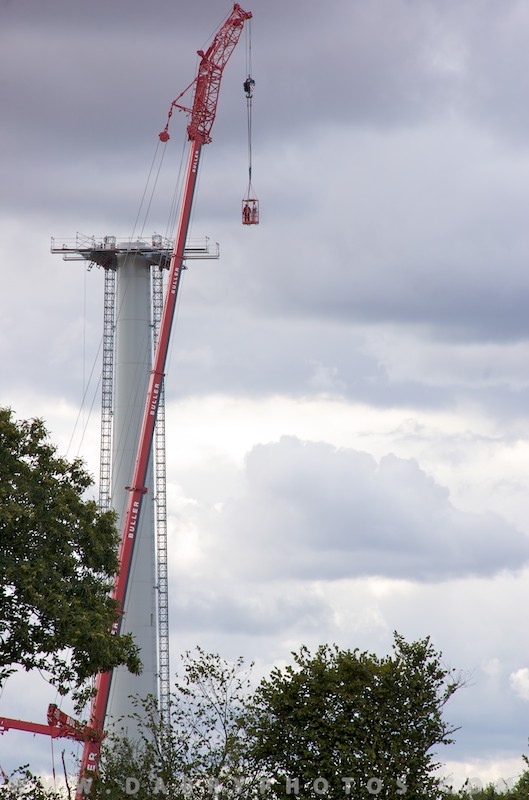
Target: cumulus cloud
column 519, row 681
column 389, row 269
column 258, row 611
column 313, row 511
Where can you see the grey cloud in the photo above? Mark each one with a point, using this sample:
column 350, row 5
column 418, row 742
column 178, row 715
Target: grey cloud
column 245, row 354
column 429, row 234
column 93, row 70
column 253, row 611
column 315, row 512
column 390, row 158
column 406, row 224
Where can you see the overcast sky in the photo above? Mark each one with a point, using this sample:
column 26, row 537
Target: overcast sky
column 348, row 385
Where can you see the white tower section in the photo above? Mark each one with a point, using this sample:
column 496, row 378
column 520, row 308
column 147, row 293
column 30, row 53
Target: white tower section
column 131, row 316
column 133, row 363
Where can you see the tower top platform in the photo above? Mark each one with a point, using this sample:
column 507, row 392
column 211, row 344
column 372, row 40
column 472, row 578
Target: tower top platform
column 103, row 252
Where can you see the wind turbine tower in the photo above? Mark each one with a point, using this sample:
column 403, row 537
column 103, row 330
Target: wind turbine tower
column 133, row 301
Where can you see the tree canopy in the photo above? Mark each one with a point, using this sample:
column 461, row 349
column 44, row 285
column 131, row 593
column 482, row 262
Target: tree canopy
column 333, row 724
column 199, row 750
column 343, row 722
column 58, row 559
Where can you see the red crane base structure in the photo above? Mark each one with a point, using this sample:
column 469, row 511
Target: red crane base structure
column 59, row 726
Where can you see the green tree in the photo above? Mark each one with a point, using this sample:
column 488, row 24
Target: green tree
column 199, row 751
column 476, row 793
column 342, row 722
column 23, row 784
column 58, row 558
column 520, row 790
column 489, row 792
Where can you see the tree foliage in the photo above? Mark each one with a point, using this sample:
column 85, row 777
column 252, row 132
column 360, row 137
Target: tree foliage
column 337, row 723
column 501, row 790
column 199, row 751
column 345, row 722
column 336, row 709
column 57, row 563
column 21, row 784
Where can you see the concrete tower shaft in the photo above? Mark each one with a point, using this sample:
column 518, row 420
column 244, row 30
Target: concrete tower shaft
column 133, row 364
column 130, row 320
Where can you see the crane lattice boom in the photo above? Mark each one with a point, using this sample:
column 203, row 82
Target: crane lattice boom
column 207, row 81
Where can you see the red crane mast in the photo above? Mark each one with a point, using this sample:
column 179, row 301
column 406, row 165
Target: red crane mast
column 207, row 86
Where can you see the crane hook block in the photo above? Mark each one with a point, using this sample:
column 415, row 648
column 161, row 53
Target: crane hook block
column 248, row 86
column 164, row 136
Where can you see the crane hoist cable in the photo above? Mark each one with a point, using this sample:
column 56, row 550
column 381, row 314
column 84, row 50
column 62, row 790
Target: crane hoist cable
column 250, row 204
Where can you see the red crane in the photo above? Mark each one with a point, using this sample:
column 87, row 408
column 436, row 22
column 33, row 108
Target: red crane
column 202, row 115
column 207, row 85
column 60, row 725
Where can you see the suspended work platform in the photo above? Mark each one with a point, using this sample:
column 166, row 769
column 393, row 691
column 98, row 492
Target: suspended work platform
column 250, row 211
